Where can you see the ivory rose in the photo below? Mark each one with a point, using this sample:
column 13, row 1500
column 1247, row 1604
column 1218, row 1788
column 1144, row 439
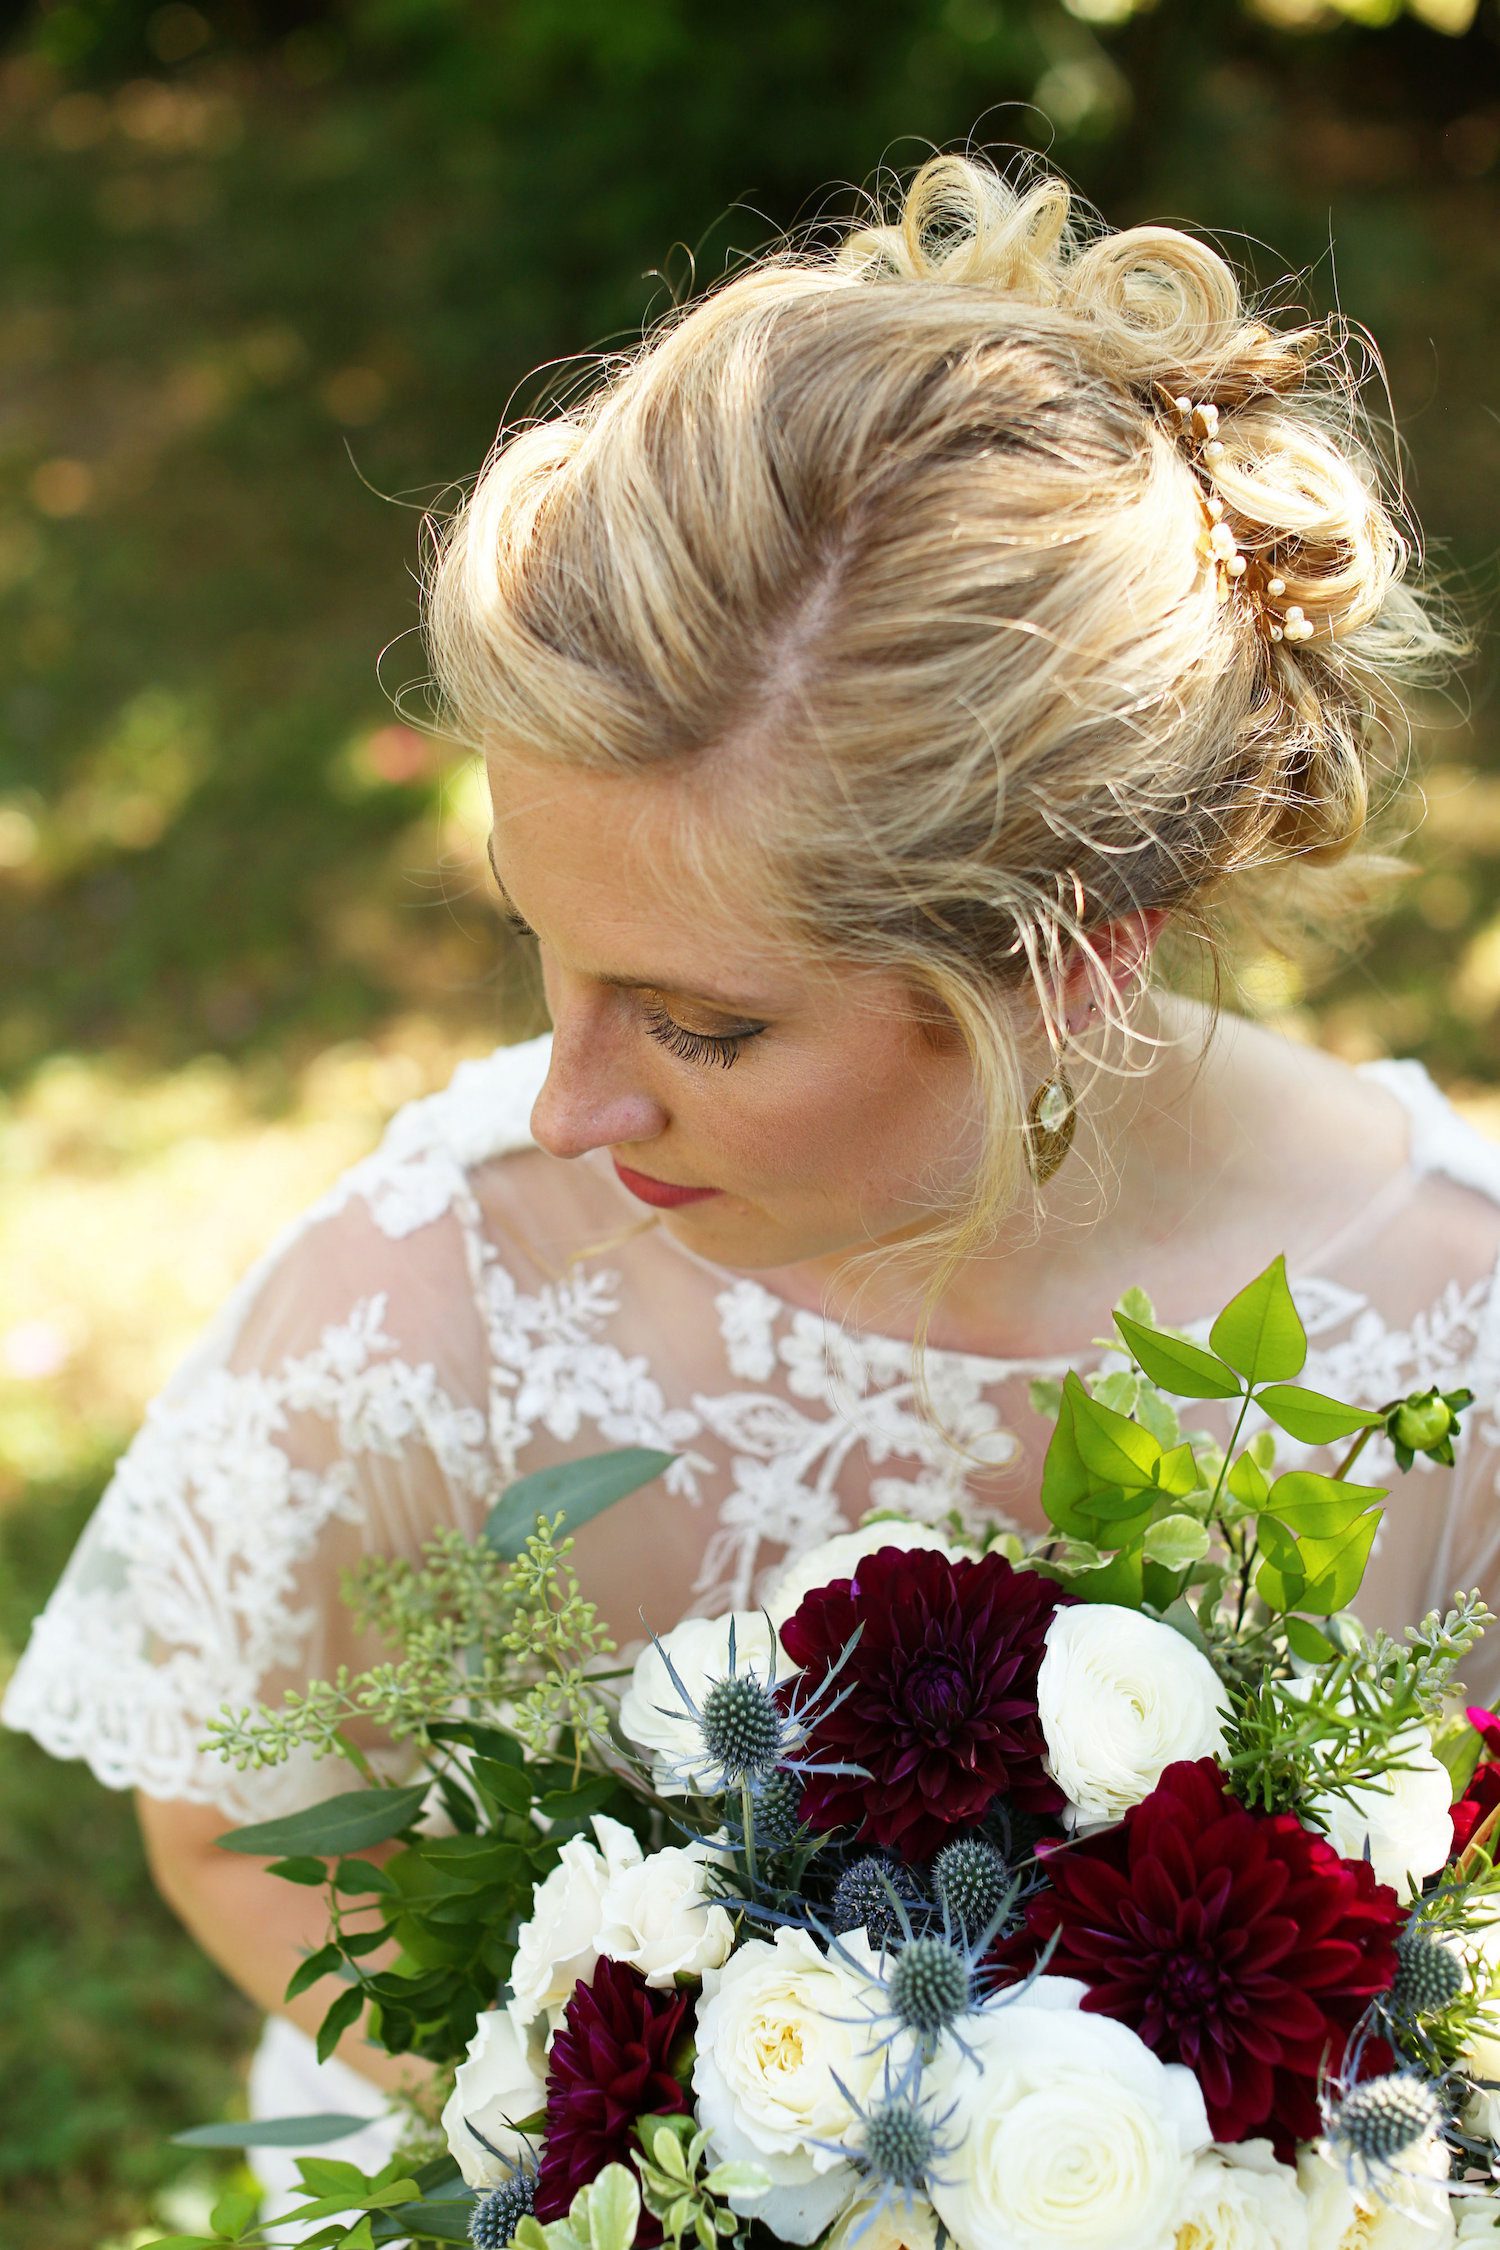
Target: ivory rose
column 496, row 2089
column 776, row 2025
column 660, row 1917
column 559, row 1944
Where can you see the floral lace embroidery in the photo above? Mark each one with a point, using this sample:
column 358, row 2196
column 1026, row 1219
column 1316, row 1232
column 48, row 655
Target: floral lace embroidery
column 180, row 1596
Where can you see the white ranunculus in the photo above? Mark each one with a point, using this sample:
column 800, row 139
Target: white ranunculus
column 661, row 1917
column 1240, row 2198
column 559, row 1945
column 1412, row 2211
column 1067, row 2133
column 836, row 1558
column 776, row 2024
column 652, row 1712
column 496, row 2089
column 1405, row 1817
column 1121, row 1697
column 1476, row 2222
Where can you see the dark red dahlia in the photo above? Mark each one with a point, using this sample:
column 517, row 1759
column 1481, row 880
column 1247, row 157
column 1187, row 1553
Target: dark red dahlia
column 1238, row 1943
column 941, row 1707
column 1483, row 1793
column 610, row 2064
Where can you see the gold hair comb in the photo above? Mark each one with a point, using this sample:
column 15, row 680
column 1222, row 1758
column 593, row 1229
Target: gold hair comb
column 1199, row 425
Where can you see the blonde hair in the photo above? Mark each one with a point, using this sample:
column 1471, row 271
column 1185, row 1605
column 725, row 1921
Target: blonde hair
column 899, row 529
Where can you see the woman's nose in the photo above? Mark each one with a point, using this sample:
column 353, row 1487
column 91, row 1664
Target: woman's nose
column 591, row 1096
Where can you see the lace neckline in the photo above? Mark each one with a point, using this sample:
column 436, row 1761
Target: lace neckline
column 1308, row 1276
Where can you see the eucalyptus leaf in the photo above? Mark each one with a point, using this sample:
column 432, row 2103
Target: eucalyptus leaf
column 272, row 2132
column 348, row 1823
column 445, row 2220
column 580, row 1489
column 1259, row 1332
column 345, row 2011
column 1184, row 1369
column 1310, row 1417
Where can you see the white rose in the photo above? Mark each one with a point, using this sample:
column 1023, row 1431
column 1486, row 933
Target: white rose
column 559, row 1945
column 895, row 2225
column 837, row 1557
column 1404, row 1816
column 494, row 2091
column 776, row 2024
column 1240, row 2198
column 1069, row 2133
column 1476, row 2222
column 652, row 1712
column 1411, row 2212
column 1479, row 1950
column 660, row 1917
column 1121, row 1697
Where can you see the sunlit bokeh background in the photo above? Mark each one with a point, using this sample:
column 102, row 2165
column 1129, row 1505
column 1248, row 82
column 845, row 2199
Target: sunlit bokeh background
column 270, row 273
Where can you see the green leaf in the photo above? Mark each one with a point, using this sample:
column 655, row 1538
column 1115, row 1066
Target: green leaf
column 444, row 2220
column 309, row 1871
column 1175, row 1541
column 1311, row 1418
column 1119, row 1580
column 187, row 2241
column 614, row 2209
column 581, row 1489
column 738, row 2178
column 1114, row 1450
column 1306, row 1641
column 1339, row 1566
column 345, row 2011
column 272, row 2132
column 1247, row 1482
column 326, row 1962
column 1184, row 1369
column 1319, row 1507
column 233, row 2212
column 666, row 2153
column 1259, row 1332
column 350, row 1823
column 1177, row 1472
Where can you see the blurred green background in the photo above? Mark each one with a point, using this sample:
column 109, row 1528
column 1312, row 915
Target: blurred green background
column 272, row 273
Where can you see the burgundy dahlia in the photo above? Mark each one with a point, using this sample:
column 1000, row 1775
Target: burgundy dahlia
column 1236, row 1942
column 610, row 2064
column 941, row 1703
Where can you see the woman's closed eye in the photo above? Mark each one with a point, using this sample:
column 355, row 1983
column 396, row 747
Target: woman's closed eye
column 695, row 1046
column 690, row 1046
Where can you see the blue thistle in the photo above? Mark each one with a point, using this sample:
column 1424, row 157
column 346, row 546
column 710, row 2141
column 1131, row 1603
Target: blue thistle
column 500, row 2210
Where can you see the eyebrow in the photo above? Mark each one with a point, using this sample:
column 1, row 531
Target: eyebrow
column 730, row 1004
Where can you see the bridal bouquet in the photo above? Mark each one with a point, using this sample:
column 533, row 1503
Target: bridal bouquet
column 1115, row 1890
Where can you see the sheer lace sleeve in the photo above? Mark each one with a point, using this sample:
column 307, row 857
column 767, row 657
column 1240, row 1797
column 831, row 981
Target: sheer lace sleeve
column 338, row 1407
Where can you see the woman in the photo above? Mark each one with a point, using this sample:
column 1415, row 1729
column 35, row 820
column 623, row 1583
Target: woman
column 899, row 683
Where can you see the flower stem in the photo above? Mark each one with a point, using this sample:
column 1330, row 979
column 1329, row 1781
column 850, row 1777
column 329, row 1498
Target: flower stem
column 747, row 1822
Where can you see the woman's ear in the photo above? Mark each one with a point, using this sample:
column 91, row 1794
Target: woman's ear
column 1118, row 956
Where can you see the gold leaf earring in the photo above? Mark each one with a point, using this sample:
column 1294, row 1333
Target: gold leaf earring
column 1051, row 1119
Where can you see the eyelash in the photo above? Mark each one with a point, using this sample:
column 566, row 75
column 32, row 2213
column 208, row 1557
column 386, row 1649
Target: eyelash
column 694, row 1046
column 690, row 1046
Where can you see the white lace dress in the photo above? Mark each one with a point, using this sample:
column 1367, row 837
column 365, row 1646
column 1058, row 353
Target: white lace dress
column 462, row 1308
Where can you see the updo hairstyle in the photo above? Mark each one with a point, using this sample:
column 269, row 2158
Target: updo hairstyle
column 889, row 551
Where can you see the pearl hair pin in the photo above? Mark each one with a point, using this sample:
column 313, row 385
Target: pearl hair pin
column 1199, row 424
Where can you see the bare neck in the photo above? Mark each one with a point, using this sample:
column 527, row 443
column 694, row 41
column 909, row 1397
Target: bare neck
column 1186, row 1180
